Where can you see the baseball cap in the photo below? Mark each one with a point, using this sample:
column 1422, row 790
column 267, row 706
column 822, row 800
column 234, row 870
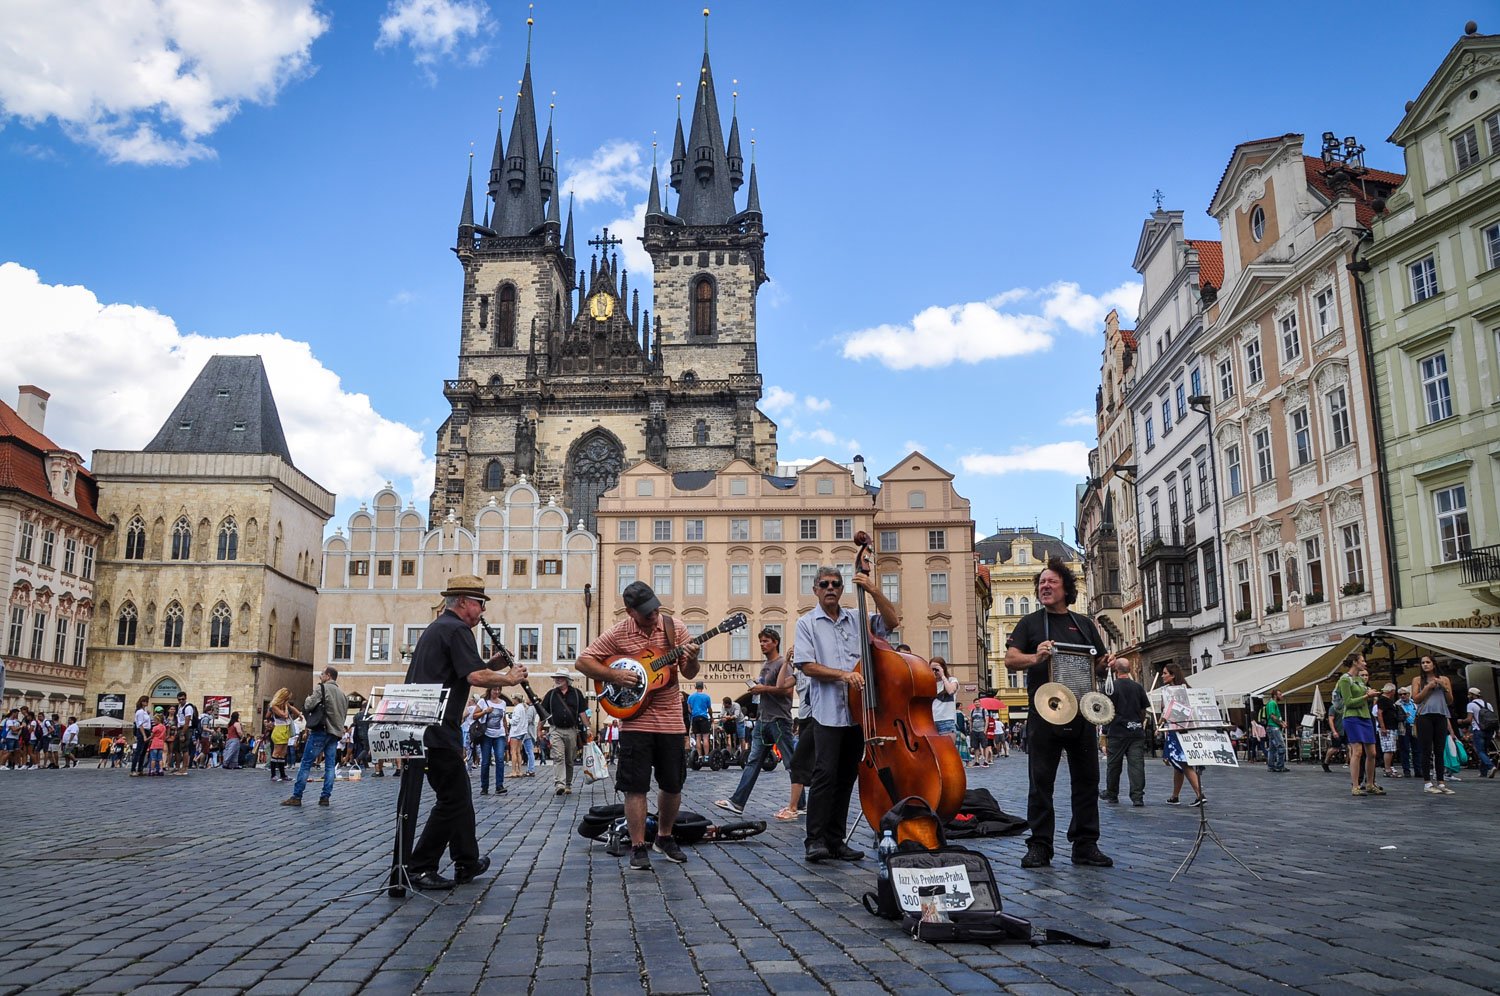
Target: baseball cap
column 639, row 596
column 1475, row 691
column 1388, row 687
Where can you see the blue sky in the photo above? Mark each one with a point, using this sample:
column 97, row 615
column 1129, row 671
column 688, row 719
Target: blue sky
column 953, row 197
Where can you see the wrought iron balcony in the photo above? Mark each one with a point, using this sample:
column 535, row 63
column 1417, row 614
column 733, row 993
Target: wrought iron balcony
column 1482, row 565
column 1162, row 543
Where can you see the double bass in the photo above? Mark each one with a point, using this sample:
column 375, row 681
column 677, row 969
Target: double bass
column 904, row 753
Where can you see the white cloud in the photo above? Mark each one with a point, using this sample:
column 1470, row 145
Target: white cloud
column 912, row 446
column 633, row 254
column 816, row 404
column 1059, row 458
column 436, row 30
column 610, row 173
column 1085, row 312
column 1014, row 322
column 401, row 299
column 826, row 437
column 1080, row 417
column 145, row 81
column 777, row 399
column 134, row 364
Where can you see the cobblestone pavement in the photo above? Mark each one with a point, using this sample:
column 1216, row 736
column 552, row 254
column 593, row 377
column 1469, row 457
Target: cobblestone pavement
column 205, row 884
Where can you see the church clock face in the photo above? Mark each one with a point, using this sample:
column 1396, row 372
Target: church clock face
column 601, row 306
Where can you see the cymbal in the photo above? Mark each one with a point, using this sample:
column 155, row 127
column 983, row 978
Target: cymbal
column 1096, row 707
column 1056, row 703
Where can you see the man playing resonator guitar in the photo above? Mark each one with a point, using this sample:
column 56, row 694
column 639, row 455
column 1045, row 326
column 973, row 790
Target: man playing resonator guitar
column 652, row 738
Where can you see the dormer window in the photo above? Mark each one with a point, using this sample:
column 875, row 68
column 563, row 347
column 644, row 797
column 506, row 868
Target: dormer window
column 239, row 427
column 1257, row 223
column 186, row 423
column 223, row 392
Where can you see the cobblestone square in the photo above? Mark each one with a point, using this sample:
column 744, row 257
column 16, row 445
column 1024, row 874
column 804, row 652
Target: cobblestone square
column 204, row 884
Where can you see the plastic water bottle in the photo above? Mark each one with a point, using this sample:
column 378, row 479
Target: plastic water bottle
column 883, row 852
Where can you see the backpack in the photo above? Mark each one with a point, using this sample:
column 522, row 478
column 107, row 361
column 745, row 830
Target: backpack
column 1489, row 720
column 1338, row 703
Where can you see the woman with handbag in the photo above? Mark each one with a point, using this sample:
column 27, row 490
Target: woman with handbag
column 1433, row 693
column 283, row 713
column 233, row 737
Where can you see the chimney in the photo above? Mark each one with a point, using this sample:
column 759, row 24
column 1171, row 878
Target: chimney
column 861, row 476
column 32, row 406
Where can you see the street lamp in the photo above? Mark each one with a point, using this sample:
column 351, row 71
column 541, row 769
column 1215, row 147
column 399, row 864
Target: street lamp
column 1208, row 659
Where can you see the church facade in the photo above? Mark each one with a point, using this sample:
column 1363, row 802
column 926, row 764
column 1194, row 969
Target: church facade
column 562, row 377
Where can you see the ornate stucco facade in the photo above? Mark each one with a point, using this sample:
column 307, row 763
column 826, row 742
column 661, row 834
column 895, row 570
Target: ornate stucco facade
column 209, row 580
column 1298, row 468
column 1433, row 293
column 50, row 535
column 382, row 581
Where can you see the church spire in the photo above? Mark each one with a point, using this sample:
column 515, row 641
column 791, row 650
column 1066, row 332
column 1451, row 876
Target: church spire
column 466, row 217
column 708, row 193
column 752, row 205
column 736, row 161
column 497, row 161
column 679, row 148
column 549, row 172
column 521, row 201
column 653, row 196
column 568, row 238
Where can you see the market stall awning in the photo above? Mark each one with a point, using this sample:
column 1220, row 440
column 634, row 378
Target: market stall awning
column 1403, row 643
column 1474, row 646
column 1234, row 682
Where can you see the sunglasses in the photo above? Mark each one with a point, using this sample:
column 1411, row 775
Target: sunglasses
column 830, row 584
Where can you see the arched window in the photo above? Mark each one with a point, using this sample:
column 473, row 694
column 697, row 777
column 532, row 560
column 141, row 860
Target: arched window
column 220, row 624
column 594, row 466
column 700, row 433
column 125, row 634
column 182, row 539
column 505, row 317
column 1025, row 605
column 165, row 689
column 494, row 476
column 296, row 636
column 703, row 306
column 276, row 547
column 229, row 540
column 271, row 633
column 171, row 626
column 1010, row 606
column 135, row 539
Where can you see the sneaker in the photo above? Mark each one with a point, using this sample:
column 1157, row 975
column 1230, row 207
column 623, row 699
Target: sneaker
column 1199, row 801
column 1443, row 788
column 1358, row 791
column 667, row 848
column 1375, row 790
column 291, row 801
column 1454, row 778
column 1091, row 856
column 1431, row 788
column 640, row 858
column 731, row 805
column 323, row 801
column 1036, row 856
column 1173, row 801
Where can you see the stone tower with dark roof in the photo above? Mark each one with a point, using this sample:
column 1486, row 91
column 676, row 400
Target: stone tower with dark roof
column 562, row 376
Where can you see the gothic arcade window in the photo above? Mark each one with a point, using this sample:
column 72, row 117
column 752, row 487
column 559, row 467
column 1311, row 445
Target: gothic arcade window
column 700, row 433
column 593, row 468
column 505, row 317
column 703, row 305
column 182, row 539
column 220, row 623
column 171, row 626
column 135, row 540
column 229, row 540
column 125, row 632
column 494, row 476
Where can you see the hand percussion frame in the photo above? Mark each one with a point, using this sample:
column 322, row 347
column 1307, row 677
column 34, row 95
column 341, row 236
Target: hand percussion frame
column 1073, row 687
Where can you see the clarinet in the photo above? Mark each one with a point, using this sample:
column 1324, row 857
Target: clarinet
column 510, row 661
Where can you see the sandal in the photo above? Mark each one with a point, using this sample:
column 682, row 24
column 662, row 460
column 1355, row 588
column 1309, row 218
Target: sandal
column 786, row 814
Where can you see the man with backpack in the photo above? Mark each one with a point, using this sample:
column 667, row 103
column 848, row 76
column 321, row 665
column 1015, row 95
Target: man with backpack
column 1483, row 722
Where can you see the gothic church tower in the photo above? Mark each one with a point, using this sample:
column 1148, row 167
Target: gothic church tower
column 561, row 375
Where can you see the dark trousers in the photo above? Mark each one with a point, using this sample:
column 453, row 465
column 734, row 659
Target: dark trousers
column 1079, row 740
column 1432, row 737
column 138, row 756
column 1126, row 750
column 450, row 825
column 838, row 750
column 777, row 732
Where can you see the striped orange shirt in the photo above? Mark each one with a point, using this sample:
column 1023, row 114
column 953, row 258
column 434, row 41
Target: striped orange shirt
column 663, row 710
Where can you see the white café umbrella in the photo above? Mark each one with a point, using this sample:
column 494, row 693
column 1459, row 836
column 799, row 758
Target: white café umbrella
column 1317, row 703
column 105, row 722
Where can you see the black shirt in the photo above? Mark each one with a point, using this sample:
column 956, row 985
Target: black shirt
column 1040, row 626
column 446, row 655
column 1131, row 706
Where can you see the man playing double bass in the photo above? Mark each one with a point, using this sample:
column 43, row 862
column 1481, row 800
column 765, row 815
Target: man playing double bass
column 827, row 648
column 1029, row 649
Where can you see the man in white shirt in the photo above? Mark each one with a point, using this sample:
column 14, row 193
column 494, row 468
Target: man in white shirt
column 1478, row 707
column 70, row 744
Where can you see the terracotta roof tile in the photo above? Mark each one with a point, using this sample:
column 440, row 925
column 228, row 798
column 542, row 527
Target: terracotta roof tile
column 1128, row 335
column 1210, row 262
column 23, row 466
column 1372, row 184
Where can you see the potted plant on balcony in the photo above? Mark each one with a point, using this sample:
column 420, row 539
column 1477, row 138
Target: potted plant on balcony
column 1241, row 615
column 1353, row 588
column 1273, row 608
column 1313, row 598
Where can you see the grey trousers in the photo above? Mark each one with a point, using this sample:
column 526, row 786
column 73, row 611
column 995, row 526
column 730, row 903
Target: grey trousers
column 1127, row 750
column 564, row 746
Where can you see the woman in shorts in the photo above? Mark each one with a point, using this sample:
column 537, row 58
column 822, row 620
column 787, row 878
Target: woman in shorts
column 282, row 714
column 1174, row 755
column 1359, row 729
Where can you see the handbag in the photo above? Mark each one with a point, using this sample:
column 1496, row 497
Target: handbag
column 318, row 714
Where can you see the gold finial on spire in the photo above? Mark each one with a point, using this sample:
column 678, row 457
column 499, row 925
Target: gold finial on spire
column 653, row 150
column 734, row 104
column 679, row 100
column 529, row 22
column 752, row 146
column 705, row 31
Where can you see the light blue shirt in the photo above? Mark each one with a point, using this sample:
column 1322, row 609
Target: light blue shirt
column 833, row 643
